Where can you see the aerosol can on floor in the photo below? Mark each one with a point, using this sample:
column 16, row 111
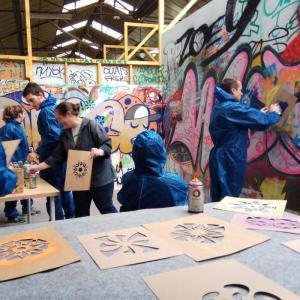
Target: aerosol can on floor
column 196, row 196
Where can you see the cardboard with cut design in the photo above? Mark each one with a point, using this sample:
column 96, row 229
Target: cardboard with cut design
column 125, row 247
column 203, row 237
column 34, row 251
column 79, row 171
column 257, row 207
column 227, row 279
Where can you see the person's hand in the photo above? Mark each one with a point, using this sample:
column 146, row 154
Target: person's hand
column 95, row 152
column 33, row 169
column 33, row 157
column 275, row 108
column 265, row 109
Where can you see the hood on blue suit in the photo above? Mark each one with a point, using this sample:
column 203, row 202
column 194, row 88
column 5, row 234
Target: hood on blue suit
column 149, row 154
column 223, row 96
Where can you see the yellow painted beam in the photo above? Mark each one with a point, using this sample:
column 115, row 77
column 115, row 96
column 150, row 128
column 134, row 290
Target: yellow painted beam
column 28, row 71
column 99, row 73
column 13, row 57
column 143, row 25
column 150, row 55
column 126, row 40
column 181, row 14
column 161, row 28
column 146, row 38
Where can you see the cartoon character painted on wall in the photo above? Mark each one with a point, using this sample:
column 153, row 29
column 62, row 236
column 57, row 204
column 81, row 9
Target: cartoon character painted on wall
column 124, row 118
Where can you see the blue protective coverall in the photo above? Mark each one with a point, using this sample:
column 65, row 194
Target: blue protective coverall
column 229, row 125
column 49, row 130
column 148, row 185
column 13, row 130
column 8, row 178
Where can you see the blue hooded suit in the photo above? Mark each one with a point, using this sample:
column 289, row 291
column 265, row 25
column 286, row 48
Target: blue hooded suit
column 229, row 125
column 8, row 178
column 149, row 186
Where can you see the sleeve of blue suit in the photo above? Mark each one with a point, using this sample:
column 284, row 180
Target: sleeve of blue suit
column 49, row 126
column 250, row 117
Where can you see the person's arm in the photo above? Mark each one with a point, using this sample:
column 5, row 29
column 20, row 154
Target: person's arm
column 250, row 117
column 102, row 140
column 49, row 127
column 58, row 157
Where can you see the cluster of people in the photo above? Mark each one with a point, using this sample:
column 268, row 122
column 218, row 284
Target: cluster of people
column 61, row 128
column 148, row 186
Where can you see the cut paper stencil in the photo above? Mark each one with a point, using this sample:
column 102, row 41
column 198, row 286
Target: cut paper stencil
column 79, row 171
column 258, row 207
column 285, row 224
column 202, row 237
column 294, row 245
column 10, row 148
column 125, row 247
column 220, row 280
column 33, row 251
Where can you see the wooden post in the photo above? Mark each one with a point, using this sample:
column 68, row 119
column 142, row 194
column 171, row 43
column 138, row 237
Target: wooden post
column 29, row 44
column 130, row 74
column 161, row 27
column 126, row 40
column 66, row 73
column 99, row 74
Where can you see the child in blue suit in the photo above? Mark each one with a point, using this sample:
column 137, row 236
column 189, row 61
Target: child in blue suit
column 149, row 185
column 13, row 117
column 8, row 178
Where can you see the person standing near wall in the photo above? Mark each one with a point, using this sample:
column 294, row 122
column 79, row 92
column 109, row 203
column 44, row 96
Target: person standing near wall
column 49, row 130
column 86, row 135
column 229, row 125
column 13, row 116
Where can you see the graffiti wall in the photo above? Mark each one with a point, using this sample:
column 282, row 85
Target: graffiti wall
column 256, row 42
column 123, row 110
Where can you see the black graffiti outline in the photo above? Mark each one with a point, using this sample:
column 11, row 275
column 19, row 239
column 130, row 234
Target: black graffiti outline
column 208, row 32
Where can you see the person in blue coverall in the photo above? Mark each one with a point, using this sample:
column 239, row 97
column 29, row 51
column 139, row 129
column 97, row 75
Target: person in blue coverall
column 148, row 185
column 49, row 130
column 13, row 117
column 8, row 179
column 229, row 125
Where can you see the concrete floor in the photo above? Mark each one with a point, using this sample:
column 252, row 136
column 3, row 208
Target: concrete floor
column 43, row 217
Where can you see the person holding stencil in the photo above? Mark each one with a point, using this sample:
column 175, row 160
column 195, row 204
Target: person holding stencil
column 49, row 130
column 229, row 125
column 86, row 135
column 13, row 116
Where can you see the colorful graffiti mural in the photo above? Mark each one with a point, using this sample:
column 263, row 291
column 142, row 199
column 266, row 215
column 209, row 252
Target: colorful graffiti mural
column 256, row 42
column 124, row 111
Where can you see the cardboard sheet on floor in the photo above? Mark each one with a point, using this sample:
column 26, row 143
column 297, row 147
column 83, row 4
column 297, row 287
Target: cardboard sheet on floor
column 257, row 207
column 203, row 237
column 33, row 251
column 294, row 245
column 284, row 224
column 125, row 247
column 79, row 171
column 226, row 279
column 10, row 147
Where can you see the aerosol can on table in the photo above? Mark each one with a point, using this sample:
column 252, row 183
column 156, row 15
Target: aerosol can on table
column 196, row 196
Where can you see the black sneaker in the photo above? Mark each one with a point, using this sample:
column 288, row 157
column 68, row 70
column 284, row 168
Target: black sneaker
column 18, row 219
column 34, row 211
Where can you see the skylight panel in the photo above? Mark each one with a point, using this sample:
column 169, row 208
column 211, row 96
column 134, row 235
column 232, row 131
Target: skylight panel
column 82, row 55
column 120, row 5
column 106, row 30
column 77, row 4
column 89, row 42
column 72, row 27
column 70, row 42
column 63, row 54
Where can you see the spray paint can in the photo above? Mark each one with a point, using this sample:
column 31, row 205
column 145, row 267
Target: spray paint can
column 196, row 196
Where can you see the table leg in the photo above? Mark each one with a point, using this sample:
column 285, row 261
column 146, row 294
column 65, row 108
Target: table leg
column 52, row 209
column 29, row 211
